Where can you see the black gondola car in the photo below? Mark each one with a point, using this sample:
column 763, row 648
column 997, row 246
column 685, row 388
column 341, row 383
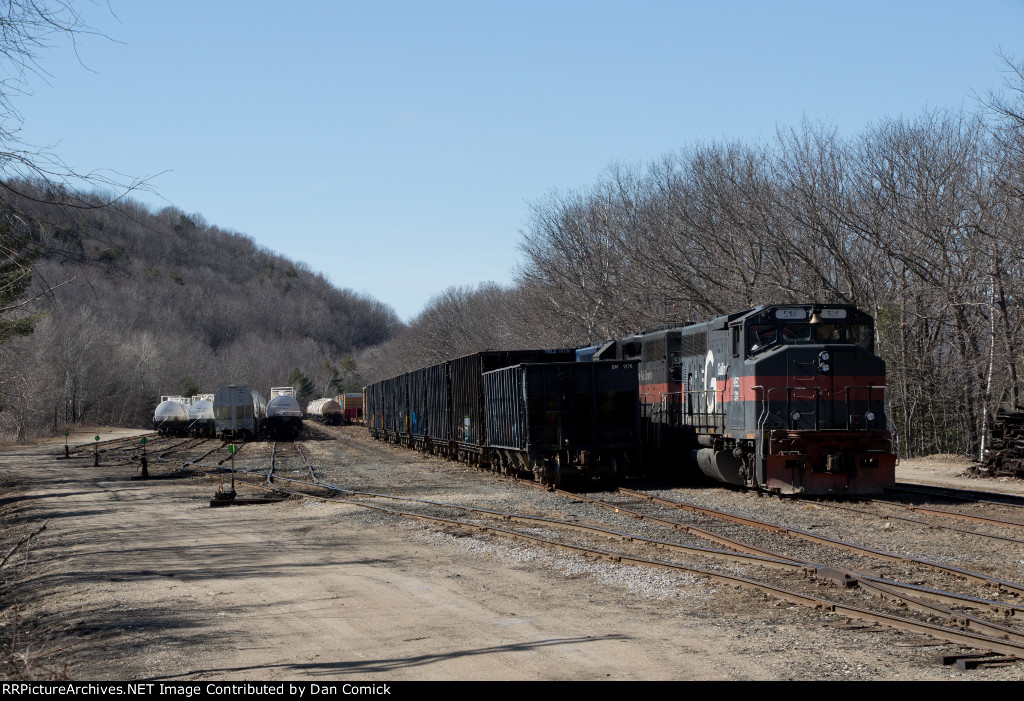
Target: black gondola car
column 442, row 409
column 562, row 420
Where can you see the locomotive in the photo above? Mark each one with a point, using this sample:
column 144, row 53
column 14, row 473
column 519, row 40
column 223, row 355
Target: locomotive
column 784, row 398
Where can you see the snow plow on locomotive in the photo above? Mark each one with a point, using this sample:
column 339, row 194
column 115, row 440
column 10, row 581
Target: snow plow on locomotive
column 786, row 398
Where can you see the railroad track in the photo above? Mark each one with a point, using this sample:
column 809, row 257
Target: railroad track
column 962, row 495
column 974, row 609
column 793, row 579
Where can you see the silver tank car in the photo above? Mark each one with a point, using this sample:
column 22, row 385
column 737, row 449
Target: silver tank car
column 200, row 416
column 326, row 410
column 171, row 416
column 239, row 411
column 284, row 415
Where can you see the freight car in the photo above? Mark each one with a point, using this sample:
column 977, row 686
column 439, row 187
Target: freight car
column 352, row 407
column 563, row 420
column 171, row 416
column 785, row 398
column 239, row 411
column 284, row 415
column 523, row 419
column 326, row 410
column 200, row 416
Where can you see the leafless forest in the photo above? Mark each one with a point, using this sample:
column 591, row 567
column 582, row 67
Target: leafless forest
column 917, row 219
column 131, row 304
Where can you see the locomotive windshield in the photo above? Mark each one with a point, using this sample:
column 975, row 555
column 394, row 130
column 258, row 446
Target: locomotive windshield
column 761, row 336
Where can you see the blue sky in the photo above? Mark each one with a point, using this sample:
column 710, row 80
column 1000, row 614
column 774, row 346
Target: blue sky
column 395, row 146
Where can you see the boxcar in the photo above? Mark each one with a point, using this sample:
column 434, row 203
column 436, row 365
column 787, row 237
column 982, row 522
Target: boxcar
column 239, row 411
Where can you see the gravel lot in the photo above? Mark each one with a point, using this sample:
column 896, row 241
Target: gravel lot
column 135, row 580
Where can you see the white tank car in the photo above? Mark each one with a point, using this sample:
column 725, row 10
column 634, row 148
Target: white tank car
column 326, row 410
column 239, row 411
column 200, row 416
column 284, row 415
column 171, row 416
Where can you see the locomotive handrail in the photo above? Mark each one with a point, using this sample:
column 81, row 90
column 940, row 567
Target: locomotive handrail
column 762, row 419
column 712, row 419
column 868, row 388
column 789, row 404
column 893, row 435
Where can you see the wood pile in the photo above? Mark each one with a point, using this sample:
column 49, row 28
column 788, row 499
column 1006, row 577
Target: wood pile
column 1004, row 454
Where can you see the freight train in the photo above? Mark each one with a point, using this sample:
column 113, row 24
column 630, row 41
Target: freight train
column 232, row 412
column 783, row 398
column 352, row 407
column 535, row 413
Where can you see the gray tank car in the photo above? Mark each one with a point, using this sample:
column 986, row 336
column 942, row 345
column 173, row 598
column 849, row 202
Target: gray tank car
column 239, row 411
column 171, row 416
column 284, row 415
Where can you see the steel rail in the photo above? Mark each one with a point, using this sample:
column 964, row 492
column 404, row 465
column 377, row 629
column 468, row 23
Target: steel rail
column 112, row 444
column 963, row 517
column 893, row 517
column 874, row 585
column 962, row 619
column 971, row 495
column 853, row 575
column 999, row 584
column 770, row 560
column 977, row 640
column 177, row 446
column 964, row 637
column 211, row 450
column 946, row 596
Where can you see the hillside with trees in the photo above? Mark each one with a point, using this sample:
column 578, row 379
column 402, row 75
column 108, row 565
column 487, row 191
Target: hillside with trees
column 132, row 304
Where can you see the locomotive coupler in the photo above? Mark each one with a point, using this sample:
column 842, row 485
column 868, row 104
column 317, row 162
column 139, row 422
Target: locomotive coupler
column 835, row 464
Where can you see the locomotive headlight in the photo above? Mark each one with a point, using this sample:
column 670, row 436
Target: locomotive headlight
column 823, row 357
column 870, row 416
column 824, row 367
column 795, row 416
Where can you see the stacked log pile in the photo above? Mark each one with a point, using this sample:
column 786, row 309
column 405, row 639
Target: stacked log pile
column 1004, row 455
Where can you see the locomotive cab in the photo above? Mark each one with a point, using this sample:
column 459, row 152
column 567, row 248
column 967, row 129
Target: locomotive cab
column 788, row 398
column 809, row 384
